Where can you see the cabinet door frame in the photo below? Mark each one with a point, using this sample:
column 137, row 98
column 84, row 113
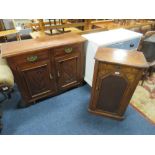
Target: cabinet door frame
column 98, row 87
column 23, row 68
column 98, row 76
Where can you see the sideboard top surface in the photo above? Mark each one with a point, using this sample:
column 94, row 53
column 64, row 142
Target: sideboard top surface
column 123, row 57
column 21, row 47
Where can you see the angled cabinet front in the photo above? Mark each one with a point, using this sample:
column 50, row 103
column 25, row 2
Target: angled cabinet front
column 110, row 92
column 113, row 86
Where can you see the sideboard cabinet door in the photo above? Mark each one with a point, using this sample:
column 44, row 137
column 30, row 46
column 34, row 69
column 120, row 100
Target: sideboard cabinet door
column 37, row 79
column 68, row 71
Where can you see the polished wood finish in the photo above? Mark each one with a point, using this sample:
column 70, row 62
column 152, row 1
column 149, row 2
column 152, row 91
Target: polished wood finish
column 68, row 70
column 116, row 75
column 120, row 56
column 37, row 79
column 16, row 48
column 46, row 70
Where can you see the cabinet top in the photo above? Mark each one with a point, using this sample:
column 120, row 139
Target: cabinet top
column 123, row 57
column 21, row 47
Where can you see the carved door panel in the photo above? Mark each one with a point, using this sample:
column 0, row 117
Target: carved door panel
column 37, row 79
column 68, row 71
column 111, row 90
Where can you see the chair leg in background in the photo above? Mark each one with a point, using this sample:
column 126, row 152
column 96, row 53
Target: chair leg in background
column 1, row 126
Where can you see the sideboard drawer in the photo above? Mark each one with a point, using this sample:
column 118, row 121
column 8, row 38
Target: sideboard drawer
column 68, row 49
column 31, row 58
column 128, row 45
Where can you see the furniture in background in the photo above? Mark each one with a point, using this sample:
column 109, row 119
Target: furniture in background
column 46, row 66
column 77, row 26
column 136, row 29
column 8, row 24
column 7, row 33
column 136, row 25
column 145, row 28
column 12, row 31
column 148, row 49
column 55, row 26
column 60, row 22
column 116, row 75
column 6, row 84
column 119, row 38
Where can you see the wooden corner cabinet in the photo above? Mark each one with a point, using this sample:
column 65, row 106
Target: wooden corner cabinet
column 46, row 67
column 116, row 75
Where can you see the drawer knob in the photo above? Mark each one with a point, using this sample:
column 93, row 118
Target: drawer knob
column 68, row 49
column 32, row 58
column 131, row 45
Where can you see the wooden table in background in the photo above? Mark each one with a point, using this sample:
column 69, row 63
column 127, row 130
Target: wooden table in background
column 40, row 34
column 113, row 25
column 10, row 32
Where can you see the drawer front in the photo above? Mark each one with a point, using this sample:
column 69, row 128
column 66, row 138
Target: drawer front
column 31, row 58
column 67, row 50
column 128, row 45
column 117, row 68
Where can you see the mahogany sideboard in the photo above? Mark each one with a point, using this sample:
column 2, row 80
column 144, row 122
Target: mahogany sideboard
column 45, row 66
column 116, row 75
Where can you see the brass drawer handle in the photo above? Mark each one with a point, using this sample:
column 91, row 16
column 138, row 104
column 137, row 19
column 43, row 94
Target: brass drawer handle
column 68, row 49
column 32, row 58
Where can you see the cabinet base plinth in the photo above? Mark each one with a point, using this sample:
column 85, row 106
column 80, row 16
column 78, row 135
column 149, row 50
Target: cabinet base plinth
column 109, row 115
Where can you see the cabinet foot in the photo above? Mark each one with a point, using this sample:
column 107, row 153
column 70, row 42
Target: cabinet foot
column 112, row 116
column 22, row 104
column 82, row 83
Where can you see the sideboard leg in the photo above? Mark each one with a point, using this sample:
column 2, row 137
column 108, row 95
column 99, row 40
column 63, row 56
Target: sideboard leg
column 22, row 104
